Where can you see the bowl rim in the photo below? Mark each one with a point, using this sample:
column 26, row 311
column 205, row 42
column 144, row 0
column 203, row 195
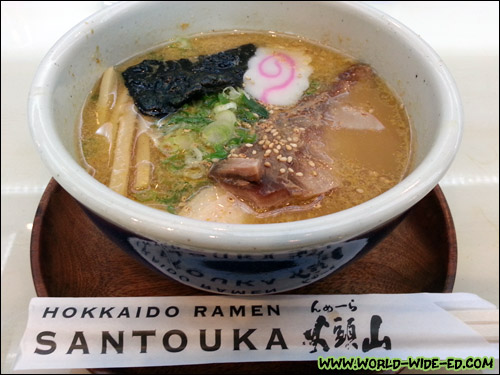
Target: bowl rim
column 240, row 238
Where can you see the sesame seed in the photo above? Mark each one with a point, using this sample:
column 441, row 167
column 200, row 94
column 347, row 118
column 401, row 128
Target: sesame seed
column 282, row 170
column 283, row 159
column 299, row 174
column 278, row 147
column 275, row 151
column 311, row 163
column 271, row 145
column 289, row 159
column 294, row 145
column 290, row 170
column 314, row 173
column 288, row 147
column 254, row 152
column 267, row 164
column 360, row 191
column 268, row 152
column 249, row 145
column 261, row 142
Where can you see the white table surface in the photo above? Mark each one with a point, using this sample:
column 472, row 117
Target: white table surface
column 464, row 34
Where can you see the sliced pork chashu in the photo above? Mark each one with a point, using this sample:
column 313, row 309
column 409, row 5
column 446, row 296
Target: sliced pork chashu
column 289, row 163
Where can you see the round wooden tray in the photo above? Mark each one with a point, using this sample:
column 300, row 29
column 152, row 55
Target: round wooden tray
column 70, row 257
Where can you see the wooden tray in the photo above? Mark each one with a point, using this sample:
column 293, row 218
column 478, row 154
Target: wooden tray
column 70, row 257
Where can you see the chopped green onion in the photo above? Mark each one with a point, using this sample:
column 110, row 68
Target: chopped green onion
column 219, row 153
column 231, row 93
column 314, row 86
column 226, row 116
column 217, row 133
column 225, row 107
column 175, row 162
column 254, row 107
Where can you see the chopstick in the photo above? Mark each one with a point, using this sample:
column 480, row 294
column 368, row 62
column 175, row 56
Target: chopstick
column 484, row 322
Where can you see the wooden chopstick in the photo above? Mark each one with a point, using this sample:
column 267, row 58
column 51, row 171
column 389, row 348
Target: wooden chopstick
column 484, row 322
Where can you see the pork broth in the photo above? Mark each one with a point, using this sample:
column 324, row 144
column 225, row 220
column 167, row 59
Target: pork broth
column 361, row 129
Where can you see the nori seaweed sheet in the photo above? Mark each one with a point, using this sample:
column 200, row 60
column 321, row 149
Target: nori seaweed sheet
column 162, row 87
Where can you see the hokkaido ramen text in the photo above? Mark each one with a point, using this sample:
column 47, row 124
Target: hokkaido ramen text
column 172, row 340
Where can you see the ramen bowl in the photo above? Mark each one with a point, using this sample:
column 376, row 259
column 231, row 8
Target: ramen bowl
column 245, row 258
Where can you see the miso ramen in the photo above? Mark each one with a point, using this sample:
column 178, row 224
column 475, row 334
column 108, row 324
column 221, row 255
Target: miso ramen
column 245, row 127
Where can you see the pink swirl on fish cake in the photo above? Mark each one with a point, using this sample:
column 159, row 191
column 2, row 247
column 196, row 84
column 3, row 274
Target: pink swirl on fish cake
column 277, row 63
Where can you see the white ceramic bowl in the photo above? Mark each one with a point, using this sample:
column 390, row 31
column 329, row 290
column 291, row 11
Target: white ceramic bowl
column 398, row 55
